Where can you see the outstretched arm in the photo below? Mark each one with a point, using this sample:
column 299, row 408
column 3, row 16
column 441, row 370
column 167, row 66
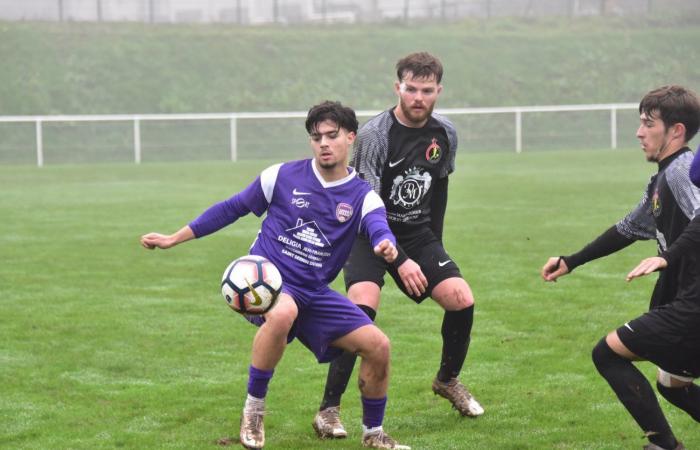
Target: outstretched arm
column 163, row 241
column 609, row 242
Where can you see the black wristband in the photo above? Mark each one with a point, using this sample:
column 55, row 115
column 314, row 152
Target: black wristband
column 400, row 258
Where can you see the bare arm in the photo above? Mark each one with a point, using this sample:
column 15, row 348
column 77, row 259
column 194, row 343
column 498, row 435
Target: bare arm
column 163, row 241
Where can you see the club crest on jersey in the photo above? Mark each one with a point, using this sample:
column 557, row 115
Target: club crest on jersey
column 343, row 212
column 434, row 152
column 656, row 204
column 408, row 189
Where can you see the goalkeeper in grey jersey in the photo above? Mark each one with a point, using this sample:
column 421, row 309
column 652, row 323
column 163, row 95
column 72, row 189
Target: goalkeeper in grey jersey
column 669, row 333
column 406, row 153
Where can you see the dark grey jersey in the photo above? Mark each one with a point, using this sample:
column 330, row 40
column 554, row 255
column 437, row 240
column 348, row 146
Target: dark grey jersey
column 669, row 203
column 403, row 163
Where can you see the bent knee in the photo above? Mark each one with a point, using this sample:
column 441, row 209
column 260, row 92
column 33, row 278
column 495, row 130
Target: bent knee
column 453, row 294
column 365, row 293
column 378, row 346
column 281, row 319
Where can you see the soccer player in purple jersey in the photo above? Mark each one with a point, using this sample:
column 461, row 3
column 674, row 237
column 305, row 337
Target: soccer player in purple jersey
column 669, row 333
column 315, row 209
column 406, row 153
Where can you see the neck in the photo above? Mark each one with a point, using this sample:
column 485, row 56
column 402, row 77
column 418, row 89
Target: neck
column 669, row 149
column 330, row 174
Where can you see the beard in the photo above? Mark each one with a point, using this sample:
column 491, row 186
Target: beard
column 415, row 116
column 327, row 165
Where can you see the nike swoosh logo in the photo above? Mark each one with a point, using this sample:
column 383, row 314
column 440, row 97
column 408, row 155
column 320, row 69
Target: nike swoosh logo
column 442, row 263
column 393, row 163
column 295, row 192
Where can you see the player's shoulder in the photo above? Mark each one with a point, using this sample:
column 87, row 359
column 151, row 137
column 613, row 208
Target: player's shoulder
column 443, row 121
column 294, row 165
column 271, row 173
column 679, row 168
column 377, row 124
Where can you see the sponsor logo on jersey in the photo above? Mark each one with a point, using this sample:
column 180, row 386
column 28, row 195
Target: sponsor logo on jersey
column 343, row 212
column 300, row 202
column 434, row 152
column 408, row 189
column 656, row 204
column 310, row 233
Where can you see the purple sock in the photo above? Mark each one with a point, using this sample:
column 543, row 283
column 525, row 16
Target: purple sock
column 373, row 411
column 258, row 381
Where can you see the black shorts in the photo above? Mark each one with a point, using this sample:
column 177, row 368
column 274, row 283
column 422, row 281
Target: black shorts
column 658, row 336
column 364, row 265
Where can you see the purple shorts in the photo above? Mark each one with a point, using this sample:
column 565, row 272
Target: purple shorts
column 324, row 316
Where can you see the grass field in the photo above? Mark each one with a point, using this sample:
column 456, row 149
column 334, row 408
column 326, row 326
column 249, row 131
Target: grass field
column 107, row 345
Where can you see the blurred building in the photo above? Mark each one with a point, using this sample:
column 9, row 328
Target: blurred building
column 254, row 12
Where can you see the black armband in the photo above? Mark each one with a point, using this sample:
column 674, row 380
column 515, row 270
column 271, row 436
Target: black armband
column 609, row 242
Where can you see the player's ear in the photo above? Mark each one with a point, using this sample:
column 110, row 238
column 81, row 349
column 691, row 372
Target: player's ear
column 439, row 89
column 678, row 131
column 397, row 87
column 351, row 137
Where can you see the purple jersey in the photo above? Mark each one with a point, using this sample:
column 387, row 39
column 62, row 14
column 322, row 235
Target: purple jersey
column 310, row 225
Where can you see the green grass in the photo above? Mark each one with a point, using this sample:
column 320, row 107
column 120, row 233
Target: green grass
column 107, row 345
column 82, row 68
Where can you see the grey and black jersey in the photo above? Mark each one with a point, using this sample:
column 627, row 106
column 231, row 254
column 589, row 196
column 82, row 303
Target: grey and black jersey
column 669, row 203
column 403, row 163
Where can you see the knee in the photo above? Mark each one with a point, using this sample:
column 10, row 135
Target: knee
column 365, row 293
column 602, row 354
column 453, row 294
column 378, row 348
column 281, row 321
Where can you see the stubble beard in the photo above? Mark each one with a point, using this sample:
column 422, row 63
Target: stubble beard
column 411, row 116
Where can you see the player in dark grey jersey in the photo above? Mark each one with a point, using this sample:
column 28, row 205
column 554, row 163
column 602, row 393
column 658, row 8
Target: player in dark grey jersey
column 669, row 333
column 406, row 153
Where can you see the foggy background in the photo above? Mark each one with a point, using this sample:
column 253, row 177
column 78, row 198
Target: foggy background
column 252, row 12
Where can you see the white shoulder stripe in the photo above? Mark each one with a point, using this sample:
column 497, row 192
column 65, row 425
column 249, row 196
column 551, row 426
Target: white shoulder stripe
column 268, row 178
column 372, row 201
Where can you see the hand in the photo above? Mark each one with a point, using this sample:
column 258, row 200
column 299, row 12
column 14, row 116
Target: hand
column 554, row 268
column 386, row 250
column 646, row 267
column 412, row 277
column 157, row 240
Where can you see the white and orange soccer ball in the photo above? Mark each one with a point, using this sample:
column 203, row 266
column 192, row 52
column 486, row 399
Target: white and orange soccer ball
column 251, row 285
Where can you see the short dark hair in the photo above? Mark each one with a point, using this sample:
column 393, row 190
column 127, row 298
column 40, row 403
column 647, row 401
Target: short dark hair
column 420, row 65
column 333, row 111
column 673, row 104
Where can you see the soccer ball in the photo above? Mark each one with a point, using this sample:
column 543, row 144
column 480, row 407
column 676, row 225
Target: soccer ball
column 251, row 285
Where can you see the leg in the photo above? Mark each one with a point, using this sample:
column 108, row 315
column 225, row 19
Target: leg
column 374, row 348
column 680, row 392
column 614, row 362
column 364, row 276
column 456, row 298
column 268, row 347
column 366, row 296
column 327, row 421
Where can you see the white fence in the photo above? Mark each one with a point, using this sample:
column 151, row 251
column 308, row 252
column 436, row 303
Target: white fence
column 134, row 122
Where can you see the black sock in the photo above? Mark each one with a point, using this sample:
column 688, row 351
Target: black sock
column 635, row 392
column 340, row 371
column 456, row 329
column 686, row 398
